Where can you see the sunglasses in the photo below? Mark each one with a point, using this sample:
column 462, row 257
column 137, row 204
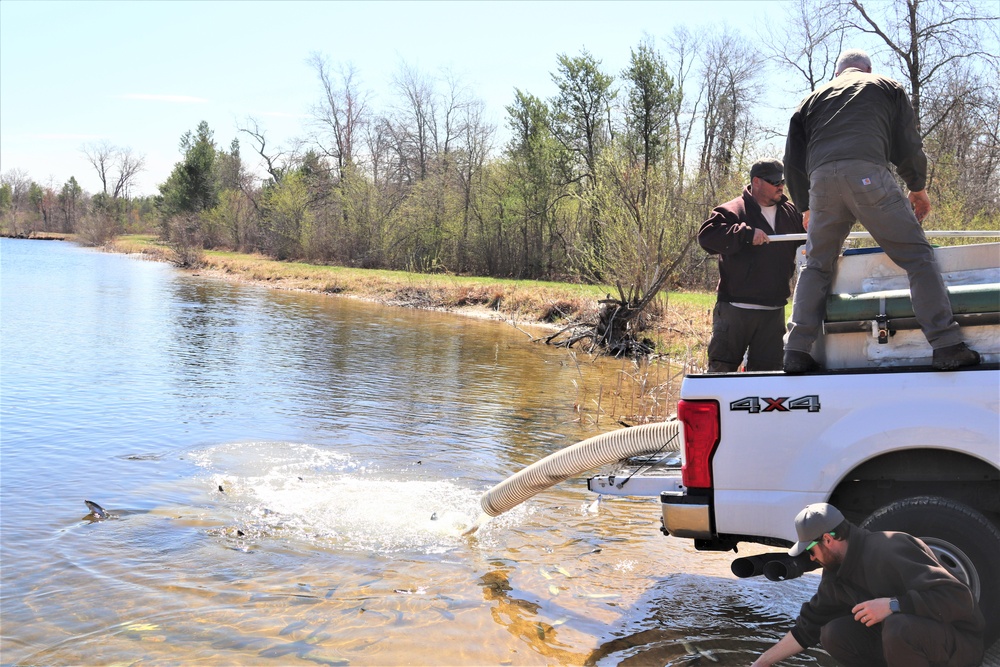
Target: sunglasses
column 775, row 183
column 816, row 541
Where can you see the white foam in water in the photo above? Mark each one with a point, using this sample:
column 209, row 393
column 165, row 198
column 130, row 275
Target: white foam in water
column 254, row 458
column 304, row 492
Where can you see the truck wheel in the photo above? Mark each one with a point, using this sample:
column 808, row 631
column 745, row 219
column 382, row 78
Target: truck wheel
column 964, row 541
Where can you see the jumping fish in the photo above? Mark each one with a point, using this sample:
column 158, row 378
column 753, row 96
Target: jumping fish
column 97, row 513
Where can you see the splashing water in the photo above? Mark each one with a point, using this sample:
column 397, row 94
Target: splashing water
column 304, row 492
column 480, row 521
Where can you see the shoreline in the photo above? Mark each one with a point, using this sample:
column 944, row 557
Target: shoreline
column 681, row 330
column 680, row 324
column 475, row 311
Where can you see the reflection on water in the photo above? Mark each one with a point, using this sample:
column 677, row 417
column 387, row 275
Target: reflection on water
column 731, row 626
column 289, row 477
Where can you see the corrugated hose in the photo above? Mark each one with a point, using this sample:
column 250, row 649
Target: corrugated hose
column 585, row 455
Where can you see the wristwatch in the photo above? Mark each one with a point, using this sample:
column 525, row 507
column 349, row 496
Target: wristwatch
column 894, row 605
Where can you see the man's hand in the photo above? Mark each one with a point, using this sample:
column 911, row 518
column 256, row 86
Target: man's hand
column 760, row 237
column 785, row 648
column 872, row 612
column 921, row 204
column 805, row 220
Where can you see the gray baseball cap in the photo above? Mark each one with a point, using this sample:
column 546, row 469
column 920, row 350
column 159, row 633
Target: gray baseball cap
column 812, row 523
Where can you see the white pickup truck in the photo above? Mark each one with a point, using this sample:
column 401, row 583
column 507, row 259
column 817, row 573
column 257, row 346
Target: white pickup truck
column 878, row 433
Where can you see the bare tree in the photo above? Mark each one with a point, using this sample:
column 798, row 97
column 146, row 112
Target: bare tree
column 127, row 166
column 683, row 47
column 810, row 45
column 477, row 140
column 275, row 161
column 414, row 123
column 456, row 104
column 378, row 143
column 965, row 144
column 100, row 156
column 928, row 38
column 115, row 166
column 343, row 112
column 731, row 85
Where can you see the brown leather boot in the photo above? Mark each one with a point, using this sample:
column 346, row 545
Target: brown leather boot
column 796, row 362
column 954, row 356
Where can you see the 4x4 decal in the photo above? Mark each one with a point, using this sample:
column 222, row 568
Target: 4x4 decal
column 752, row 404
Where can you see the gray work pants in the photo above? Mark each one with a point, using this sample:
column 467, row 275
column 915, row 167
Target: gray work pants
column 841, row 193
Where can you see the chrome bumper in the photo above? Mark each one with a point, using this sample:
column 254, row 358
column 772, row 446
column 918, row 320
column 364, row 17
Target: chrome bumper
column 686, row 516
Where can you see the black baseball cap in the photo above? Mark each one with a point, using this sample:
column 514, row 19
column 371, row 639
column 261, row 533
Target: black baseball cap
column 769, row 170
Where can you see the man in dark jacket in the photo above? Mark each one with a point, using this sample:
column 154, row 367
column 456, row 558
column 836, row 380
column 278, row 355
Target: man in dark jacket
column 754, row 276
column 840, row 142
column 883, row 600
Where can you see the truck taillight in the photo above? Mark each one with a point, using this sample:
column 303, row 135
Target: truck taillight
column 701, row 437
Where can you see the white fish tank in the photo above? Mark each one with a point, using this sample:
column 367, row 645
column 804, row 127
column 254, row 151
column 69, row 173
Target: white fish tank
column 870, row 321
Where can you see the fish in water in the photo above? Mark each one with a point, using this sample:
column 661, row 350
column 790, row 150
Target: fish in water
column 97, row 513
column 696, row 653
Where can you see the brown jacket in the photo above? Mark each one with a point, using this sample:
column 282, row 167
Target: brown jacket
column 758, row 274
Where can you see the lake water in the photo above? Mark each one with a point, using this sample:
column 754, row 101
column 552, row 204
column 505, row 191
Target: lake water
column 290, row 476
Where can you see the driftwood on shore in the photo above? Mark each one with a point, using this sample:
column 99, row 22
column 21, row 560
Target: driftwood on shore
column 620, row 322
column 618, row 325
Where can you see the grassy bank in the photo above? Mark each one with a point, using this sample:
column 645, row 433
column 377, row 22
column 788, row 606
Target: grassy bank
column 681, row 325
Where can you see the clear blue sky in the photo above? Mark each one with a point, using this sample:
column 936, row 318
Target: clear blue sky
column 141, row 74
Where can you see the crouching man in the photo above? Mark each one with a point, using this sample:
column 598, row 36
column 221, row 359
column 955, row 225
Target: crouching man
column 883, row 600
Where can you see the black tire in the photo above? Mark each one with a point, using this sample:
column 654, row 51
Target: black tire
column 965, row 542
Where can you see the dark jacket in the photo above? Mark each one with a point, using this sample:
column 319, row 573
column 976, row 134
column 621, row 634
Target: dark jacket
column 886, row 565
column 857, row 116
column 759, row 274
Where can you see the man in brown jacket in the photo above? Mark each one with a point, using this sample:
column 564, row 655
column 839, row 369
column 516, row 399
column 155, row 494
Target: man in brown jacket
column 754, row 276
column 883, row 600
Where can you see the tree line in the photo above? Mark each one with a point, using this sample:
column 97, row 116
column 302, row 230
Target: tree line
column 605, row 181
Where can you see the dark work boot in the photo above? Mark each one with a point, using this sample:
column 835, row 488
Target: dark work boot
column 796, row 362
column 954, row 356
